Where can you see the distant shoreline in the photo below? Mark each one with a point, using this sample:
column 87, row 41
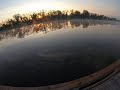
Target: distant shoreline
column 43, row 16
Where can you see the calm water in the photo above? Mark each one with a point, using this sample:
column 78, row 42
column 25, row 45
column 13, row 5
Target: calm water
column 57, row 52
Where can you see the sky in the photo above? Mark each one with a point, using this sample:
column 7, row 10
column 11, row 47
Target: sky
column 106, row 7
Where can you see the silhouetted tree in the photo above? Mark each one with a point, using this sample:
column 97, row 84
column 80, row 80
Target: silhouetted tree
column 17, row 18
column 43, row 16
column 85, row 14
column 72, row 14
column 77, row 14
column 34, row 17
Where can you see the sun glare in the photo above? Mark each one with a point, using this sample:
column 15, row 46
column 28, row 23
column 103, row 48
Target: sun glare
column 39, row 16
column 36, row 7
column 31, row 7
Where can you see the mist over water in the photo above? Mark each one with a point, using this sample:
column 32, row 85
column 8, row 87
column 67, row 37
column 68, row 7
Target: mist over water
column 56, row 52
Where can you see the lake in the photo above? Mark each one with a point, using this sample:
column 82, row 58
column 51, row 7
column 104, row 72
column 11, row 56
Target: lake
column 57, row 52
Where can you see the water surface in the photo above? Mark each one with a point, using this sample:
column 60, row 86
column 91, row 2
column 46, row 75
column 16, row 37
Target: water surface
column 56, row 52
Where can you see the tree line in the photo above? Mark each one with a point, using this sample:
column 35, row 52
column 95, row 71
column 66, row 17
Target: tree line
column 43, row 16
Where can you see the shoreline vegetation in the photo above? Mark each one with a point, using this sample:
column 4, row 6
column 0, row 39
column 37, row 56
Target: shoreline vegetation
column 19, row 20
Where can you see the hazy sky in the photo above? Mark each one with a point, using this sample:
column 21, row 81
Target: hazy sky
column 11, row 7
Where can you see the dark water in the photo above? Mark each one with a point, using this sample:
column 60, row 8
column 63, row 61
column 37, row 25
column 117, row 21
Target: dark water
column 57, row 52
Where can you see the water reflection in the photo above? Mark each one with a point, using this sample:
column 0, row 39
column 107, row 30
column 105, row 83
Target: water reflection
column 69, row 53
column 47, row 27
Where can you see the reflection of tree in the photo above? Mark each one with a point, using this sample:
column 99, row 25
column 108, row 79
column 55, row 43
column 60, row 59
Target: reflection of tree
column 45, row 16
column 74, row 24
column 85, row 25
column 46, row 27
